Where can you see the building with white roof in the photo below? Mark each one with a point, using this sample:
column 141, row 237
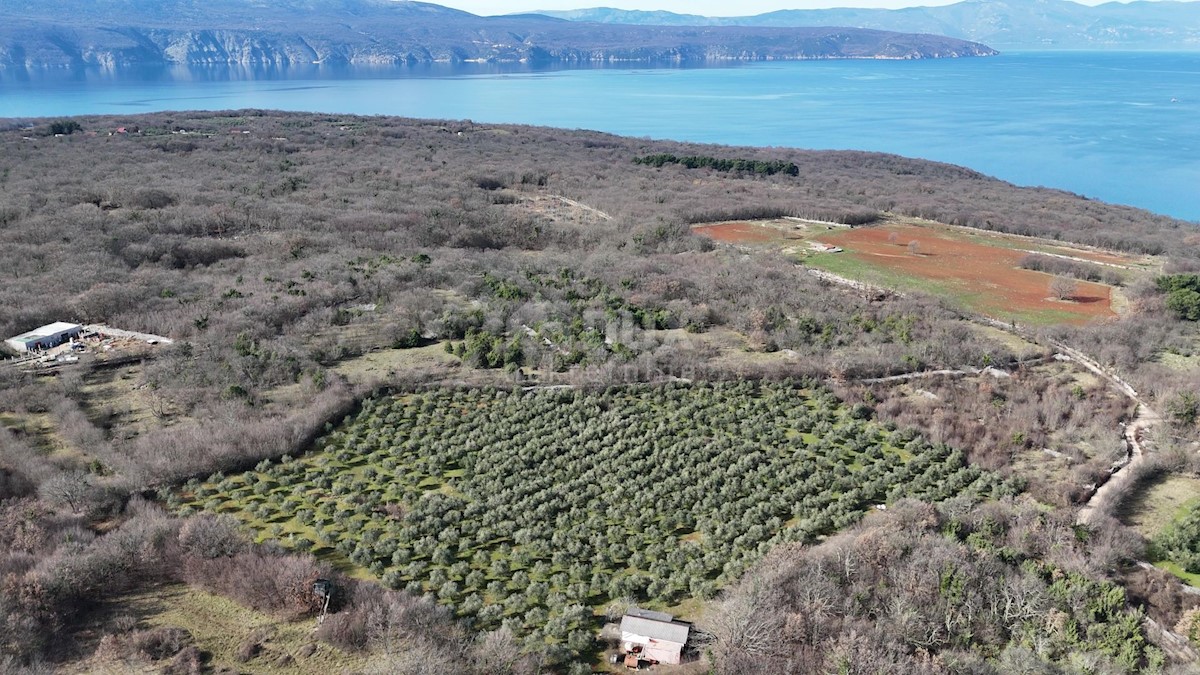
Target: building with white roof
column 653, row 636
column 50, row 335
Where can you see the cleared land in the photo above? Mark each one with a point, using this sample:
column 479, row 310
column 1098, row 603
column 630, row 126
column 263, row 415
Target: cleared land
column 1160, row 502
column 978, row 270
column 537, row 508
column 740, row 232
column 1165, row 503
column 220, row 628
column 983, row 277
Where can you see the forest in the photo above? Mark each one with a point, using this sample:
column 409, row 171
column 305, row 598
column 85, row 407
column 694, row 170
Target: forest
column 335, row 285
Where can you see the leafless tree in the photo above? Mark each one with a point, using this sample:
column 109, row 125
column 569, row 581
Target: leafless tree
column 745, row 625
column 1062, row 288
column 72, row 489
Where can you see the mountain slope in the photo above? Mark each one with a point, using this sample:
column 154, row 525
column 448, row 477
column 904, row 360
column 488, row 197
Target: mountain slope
column 1002, row 23
column 127, row 32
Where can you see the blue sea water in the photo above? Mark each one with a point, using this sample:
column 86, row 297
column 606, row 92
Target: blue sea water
column 1121, row 127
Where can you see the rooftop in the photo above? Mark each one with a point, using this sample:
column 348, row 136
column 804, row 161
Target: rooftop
column 655, row 629
column 48, row 330
column 650, row 614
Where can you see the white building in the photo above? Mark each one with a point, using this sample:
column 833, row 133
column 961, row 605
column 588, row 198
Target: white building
column 653, row 636
column 51, row 335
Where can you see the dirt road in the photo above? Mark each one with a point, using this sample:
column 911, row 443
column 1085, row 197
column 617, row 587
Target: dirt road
column 1135, row 431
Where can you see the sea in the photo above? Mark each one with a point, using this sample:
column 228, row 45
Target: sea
column 1121, row 127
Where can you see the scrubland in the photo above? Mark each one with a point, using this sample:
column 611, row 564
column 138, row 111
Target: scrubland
column 330, row 281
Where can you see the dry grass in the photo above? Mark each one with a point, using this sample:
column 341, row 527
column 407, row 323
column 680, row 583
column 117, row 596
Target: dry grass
column 390, row 362
column 1036, row 464
column 39, row 431
column 219, row 627
column 1020, row 347
column 117, row 398
column 1185, row 364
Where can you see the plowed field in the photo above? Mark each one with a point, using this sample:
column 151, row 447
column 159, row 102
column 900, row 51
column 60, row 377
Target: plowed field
column 744, row 233
column 986, row 278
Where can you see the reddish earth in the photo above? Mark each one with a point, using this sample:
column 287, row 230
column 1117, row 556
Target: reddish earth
column 986, row 272
column 741, row 233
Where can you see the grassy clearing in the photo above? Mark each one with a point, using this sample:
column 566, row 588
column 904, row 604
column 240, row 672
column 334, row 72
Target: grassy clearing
column 219, row 627
column 1159, row 502
column 39, row 431
column 1035, row 464
column 864, row 270
column 1022, row 348
column 1189, row 578
column 115, row 398
column 386, row 363
column 1180, row 362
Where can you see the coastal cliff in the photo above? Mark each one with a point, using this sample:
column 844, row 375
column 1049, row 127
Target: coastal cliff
column 119, row 33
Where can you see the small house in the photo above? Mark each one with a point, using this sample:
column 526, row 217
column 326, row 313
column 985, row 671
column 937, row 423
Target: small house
column 50, row 335
column 653, row 636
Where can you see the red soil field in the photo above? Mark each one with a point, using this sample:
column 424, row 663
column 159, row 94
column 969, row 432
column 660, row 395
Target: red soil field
column 741, row 233
column 986, row 272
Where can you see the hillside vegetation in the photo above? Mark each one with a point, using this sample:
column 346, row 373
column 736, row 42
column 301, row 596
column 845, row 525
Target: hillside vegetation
column 382, row 324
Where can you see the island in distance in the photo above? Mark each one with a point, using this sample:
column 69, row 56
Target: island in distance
column 118, row 33
column 1006, row 24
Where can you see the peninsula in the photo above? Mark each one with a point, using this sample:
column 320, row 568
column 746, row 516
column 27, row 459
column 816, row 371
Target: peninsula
column 121, row 33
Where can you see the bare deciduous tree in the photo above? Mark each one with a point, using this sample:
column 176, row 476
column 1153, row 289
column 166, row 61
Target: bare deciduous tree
column 1062, row 288
column 745, row 625
column 71, row 489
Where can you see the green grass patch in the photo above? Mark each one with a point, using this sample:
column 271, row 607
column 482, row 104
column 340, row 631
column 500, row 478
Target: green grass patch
column 1180, row 362
column 1187, row 577
column 219, row 626
column 1160, row 501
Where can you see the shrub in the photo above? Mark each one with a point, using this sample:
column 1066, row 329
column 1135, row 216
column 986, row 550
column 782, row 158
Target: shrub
column 212, row 536
column 160, row 643
column 276, row 584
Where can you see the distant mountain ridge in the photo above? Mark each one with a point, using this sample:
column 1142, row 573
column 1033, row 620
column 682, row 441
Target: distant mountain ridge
column 1005, row 24
column 113, row 33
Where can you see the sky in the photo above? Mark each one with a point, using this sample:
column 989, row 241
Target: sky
column 702, row 7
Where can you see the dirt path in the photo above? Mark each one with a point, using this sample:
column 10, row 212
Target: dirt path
column 904, row 377
column 583, row 207
column 1144, row 418
column 1135, row 438
column 1075, row 259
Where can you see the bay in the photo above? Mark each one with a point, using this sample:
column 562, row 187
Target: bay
column 1122, row 127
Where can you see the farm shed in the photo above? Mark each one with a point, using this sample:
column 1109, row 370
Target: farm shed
column 657, row 636
column 50, row 335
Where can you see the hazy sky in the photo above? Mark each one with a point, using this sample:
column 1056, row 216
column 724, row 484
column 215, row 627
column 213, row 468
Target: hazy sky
column 703, row 7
